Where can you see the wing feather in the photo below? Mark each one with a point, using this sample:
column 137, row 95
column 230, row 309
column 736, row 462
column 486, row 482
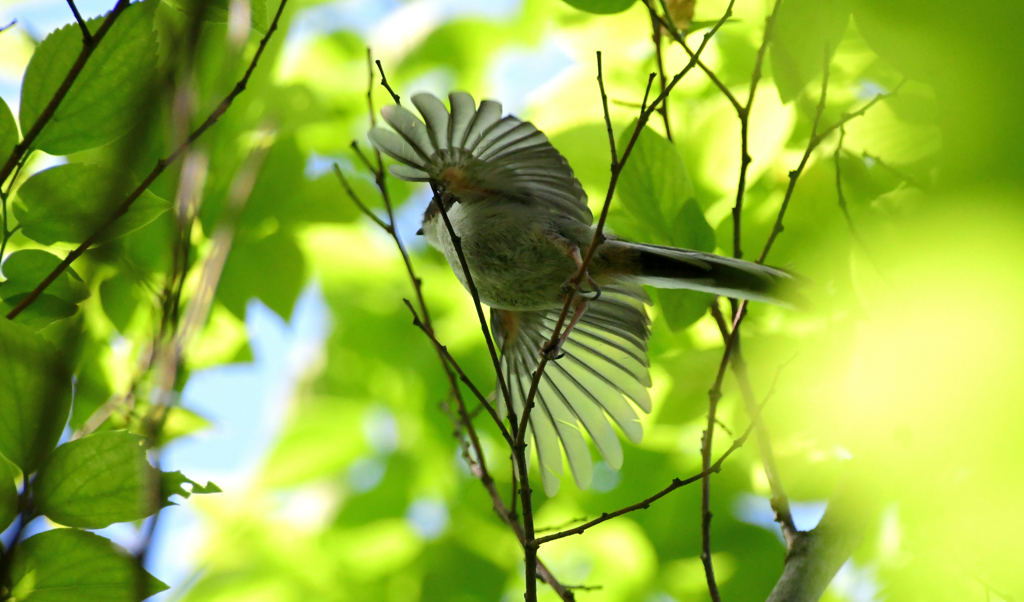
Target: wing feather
column 491, row 154
column 601, row 378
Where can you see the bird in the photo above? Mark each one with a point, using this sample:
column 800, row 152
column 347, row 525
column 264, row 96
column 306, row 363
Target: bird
column 522, row 219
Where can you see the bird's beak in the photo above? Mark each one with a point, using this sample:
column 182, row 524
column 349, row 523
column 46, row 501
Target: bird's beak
column 419, row 232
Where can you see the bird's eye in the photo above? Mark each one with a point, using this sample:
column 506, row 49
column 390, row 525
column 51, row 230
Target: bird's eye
column 419, row 232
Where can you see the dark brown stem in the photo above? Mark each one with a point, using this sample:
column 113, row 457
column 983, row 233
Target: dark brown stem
column 656, row 38
column 86, row 36
column 645, row 504
column 161, row 165
column 51, row 107
column 359, row 203
column 384, row 82
column 815, row 140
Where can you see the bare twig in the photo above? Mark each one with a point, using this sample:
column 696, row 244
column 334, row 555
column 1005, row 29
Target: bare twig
column 157, row 170
column 86, row 36
column 384, row 82
column 51, row 107
column 744, row 115
column 645, row 504
column 815, row 139
column 359, row 203
column 462, row 375
column 659, row 59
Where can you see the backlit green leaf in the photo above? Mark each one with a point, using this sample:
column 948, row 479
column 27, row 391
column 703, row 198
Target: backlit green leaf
column 24, row 270
column 106, row 98
column 806, row 32
column 271, row 269
column 68, row 565
column 8, row 131
column 654, row 183
column 96, row 481
column 69, row 203
column 35, row 396
column 8, row 494
column 601, row 7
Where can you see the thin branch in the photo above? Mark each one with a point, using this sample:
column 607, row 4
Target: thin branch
column 744, row 115
column 645, row 504
column 815, row 139
column 679, row 38
column 462, row 375
column 157, row 170
column 779, row 499
column 607, row 117
column 51, row 107
column 86, row 36
column 8, row 26
column 362, row 206
column 384, row 82
column 656, row 38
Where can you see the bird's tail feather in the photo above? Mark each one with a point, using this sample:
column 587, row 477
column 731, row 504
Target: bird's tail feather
column 669, row 267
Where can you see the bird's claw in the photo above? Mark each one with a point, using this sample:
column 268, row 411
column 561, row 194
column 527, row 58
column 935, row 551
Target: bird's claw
column 553, row 352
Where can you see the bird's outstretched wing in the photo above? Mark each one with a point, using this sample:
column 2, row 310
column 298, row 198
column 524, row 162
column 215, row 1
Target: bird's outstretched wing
column 605, row 363
column 476, row 153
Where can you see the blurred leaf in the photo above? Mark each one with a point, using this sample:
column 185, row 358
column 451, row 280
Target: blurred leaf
column 68, row 565
column 690, row 231
column 173, row 483
column 601, row 7
column 24, row 270
column 68, row 203
column 806, row 32
column 35, row 396
column 324, row 437
column 216, row 11
column 98, row 480
column 179, row 423
column 654, row 184
column 271, row 269
column 117, row 296
column 8, row 131
column 106, row 98
column 279, row 186
column 8, row 494
column 656, row 188
column 92, row 386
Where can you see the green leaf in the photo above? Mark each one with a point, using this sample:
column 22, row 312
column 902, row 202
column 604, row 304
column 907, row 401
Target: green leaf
column 68, row 203
column 8, row 132
column 105, row 100
column 96, row 481
column 690, row 231
column 117, row 296
column 35, row 396
column 8, row 494
column 806, row 31
column 181, row 422
column 601, row 7
column 68, row 565
column 655, row 183
column 271, row 268
column 173, row 483
column 216, row 11
column 24, row 270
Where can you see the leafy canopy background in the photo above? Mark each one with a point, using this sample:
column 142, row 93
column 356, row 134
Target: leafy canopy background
column 906, row 225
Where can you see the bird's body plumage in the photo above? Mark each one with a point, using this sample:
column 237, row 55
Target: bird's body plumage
column 522, row 219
